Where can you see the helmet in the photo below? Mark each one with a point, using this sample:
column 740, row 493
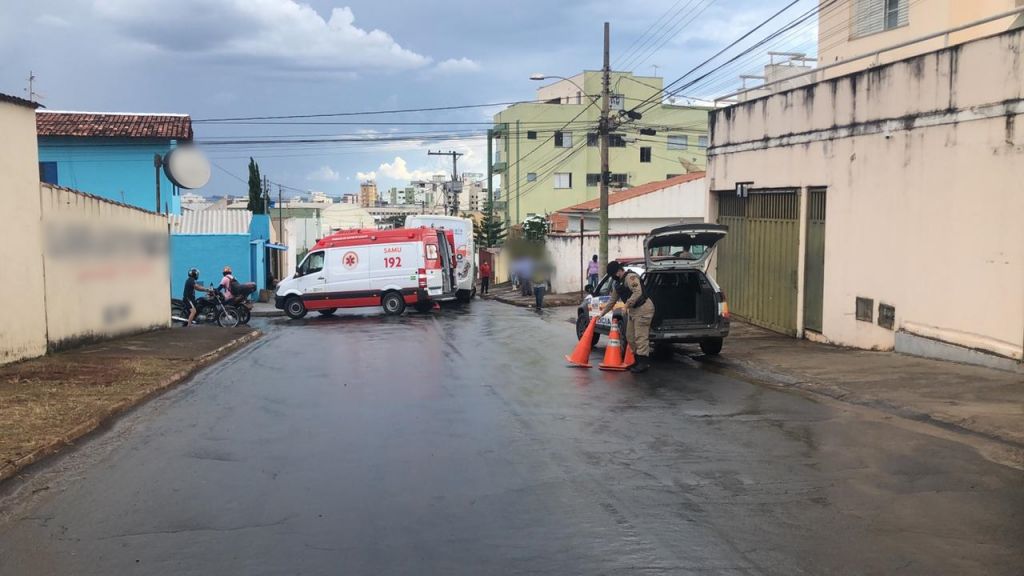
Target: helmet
column 613, row 267
column 227, row 270
column 193, row 272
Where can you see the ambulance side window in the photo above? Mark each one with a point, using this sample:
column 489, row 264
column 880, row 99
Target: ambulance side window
column 313, row 263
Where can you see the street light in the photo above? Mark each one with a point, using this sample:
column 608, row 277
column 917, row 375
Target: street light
column 538, row 76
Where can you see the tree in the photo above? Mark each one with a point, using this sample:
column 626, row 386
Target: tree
column 393, row 221
column 489, row 231
column 535, row 229
column 256, row 199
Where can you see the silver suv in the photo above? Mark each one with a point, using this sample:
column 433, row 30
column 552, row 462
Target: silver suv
column 689, row 306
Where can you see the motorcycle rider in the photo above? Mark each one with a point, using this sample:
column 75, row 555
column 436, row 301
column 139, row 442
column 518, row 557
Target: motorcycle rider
column 234, row 292
column 189, row 294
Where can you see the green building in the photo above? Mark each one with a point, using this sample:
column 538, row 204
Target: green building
column 556, row 142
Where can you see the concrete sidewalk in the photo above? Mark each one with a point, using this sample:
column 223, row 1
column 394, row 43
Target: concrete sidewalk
column 49, row 402
column 505, row 294
column 265, row 310
column 981, row 401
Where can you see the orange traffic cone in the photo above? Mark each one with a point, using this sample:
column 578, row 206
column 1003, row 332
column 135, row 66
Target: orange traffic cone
column 613, row 351
column 581, row 354
column 629, row 360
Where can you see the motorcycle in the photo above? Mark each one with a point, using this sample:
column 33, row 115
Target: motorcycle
column 240, row 300
column 212, row 309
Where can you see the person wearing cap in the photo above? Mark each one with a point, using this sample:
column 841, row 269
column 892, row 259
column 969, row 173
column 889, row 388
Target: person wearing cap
column 629, row 288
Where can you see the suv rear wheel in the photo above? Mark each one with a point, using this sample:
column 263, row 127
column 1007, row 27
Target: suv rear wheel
column 582, row 321
column 711, row 346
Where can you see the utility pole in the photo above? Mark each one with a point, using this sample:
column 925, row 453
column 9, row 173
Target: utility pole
column 517, row 173
column 158, row 163
column 490, row 175
column 603, row 128
column 280, row 215
column 451, row 207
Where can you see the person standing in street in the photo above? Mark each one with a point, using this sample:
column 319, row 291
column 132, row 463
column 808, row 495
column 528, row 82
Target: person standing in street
column 485, row 277
column 539, row 280
column 592, row 270
column 629, row 288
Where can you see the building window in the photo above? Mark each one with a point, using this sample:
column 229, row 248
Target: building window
column 874, row 16
column 531, row 135
column 618, row 180
column 579, row 97
column 702, row 142
column 670, row 176
column 563, row 139
column 648, row 132
column 48, row 172
column 593, row 179
column 616, row 102
column 563, row 180
column 677, row 142
column 616, row 141
column 531, row 176
column 645, row 153
column 591, row 138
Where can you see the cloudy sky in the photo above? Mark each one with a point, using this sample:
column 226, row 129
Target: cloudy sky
column 243, row 58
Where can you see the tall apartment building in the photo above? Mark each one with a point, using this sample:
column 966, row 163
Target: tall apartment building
column 556, row 143
column 368, row 193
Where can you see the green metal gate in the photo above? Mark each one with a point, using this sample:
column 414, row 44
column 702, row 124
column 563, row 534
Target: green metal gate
column 814, row 265
column 758, row 259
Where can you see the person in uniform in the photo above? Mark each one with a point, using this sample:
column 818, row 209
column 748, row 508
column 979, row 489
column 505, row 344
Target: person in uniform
column 627, row 287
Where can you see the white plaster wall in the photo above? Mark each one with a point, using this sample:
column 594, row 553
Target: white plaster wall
column 23, row 329
column 564, row 251
column 925, row 218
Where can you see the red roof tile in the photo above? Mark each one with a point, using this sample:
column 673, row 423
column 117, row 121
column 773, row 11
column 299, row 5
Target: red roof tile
column 114, row 125
column 631, row 193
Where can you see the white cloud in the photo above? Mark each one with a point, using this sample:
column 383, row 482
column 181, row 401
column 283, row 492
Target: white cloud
column 271, row 32
column 54, row 21
column 323, row 174
column 457, row 65
column 371, row 175
column 399, row 170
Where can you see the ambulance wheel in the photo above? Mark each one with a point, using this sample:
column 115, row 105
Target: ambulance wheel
column 393, row 304
column 711, row 346
column 327, row 311
column 294, row 307
column 423, row 307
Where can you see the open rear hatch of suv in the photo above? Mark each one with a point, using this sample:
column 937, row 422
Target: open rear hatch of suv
column 676, row 259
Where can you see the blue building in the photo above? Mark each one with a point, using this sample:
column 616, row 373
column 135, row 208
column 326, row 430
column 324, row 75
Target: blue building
column 211, row 239
column 111, row 154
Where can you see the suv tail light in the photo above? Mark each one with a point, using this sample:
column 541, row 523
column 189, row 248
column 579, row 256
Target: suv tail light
column 723, row 306
column 421, row 277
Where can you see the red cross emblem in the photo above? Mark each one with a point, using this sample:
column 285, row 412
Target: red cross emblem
column 350, row 260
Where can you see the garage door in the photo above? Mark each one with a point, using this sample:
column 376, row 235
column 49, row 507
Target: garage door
column 757, row 261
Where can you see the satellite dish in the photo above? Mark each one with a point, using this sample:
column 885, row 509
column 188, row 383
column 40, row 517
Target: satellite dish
column 187, row 167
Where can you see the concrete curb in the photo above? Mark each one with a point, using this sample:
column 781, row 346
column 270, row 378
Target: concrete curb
column 548, row 302
column 267, row 313
column 753, row 371
column 11, row 469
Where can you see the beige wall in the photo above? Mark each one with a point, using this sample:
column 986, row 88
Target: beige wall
column 923, row 160
column 925, row 17
column 23, row 329
column 107, row 268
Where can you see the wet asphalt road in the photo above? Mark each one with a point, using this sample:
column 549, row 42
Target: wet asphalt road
column 459, row 443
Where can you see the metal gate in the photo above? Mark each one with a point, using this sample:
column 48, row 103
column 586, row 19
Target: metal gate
column 758, row 259
column 814, row 265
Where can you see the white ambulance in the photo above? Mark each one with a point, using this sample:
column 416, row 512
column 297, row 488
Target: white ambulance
column 465, row 249
column 359, row 268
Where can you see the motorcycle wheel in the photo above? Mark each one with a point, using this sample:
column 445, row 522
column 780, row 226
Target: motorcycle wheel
column 244, row 315
column 228, row 317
